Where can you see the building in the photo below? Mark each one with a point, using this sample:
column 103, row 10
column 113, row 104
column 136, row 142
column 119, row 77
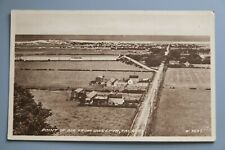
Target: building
column 99, row 79
column 100, row 100
column 78, row 93
column 119, row 83
column 115, row 99
column 111, row 82
column 90, row 96
column 78, row 90
column 133, row 79
column 174, row 62
column 142, row 84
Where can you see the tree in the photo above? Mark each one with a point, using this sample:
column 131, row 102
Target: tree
column 154, row 60
column 29, row 118
column 174, row 55
column 194, row 58
column 206, row 60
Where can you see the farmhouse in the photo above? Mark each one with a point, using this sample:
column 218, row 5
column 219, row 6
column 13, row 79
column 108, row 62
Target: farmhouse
column 133, row 79
column 110, row 82
column 90, row 97
column 119, row 83
column 174, row 62
column 78, row 90
column 115, row 99
column 142, row 84
column 76, row 93
column 100, row 100
column 99, row 79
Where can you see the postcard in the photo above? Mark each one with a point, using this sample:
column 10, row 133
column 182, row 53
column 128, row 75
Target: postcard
column 134, row 76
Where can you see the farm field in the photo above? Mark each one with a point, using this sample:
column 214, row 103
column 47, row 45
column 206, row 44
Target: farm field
column 79, row 65
column 69, row 115
column 182, row 111
column 55, row 51
column 64, row 79
column 187, row 78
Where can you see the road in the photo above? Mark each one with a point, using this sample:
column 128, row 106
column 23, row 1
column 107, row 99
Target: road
column 145, row 111
column 147, row 107
column 139, row 64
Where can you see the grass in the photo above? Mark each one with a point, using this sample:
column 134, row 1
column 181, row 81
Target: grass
column 63, row 79
column 187, row 78
column 82, row 65
column 69, row 115
column 182, row 111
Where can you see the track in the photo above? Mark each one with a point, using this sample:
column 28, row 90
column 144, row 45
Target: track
column 145, row 111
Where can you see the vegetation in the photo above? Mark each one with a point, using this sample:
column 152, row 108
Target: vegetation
column 70, row 115
column 151, row 60
column 186, row 95
column 29, row 118
column 192, row 57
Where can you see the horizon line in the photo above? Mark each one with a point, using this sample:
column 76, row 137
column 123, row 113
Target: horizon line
column 30, row 37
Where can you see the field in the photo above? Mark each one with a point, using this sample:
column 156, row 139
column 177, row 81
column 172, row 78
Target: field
column 64, row 79
column 183, row 111
column 78, row 65
column 70, row 51
column 69, row 115
column 73, row 79
column 187, row 78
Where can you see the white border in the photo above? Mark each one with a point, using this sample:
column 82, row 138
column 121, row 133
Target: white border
column 211, row 138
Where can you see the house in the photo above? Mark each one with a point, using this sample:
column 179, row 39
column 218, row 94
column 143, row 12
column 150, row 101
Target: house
column 78, row 90
column 187, row 64
column 90, row 96
column 145, row 80
column 119, row 83
column 76, row 93
column 110, row 82
column 133, row 79
column 174, row 62
column 100, row 100
column 115, row 99
column 142, row 84
column 99, row 79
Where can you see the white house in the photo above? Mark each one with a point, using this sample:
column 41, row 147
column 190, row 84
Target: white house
column 133, row 79
column 90, row 97
column 115, row 99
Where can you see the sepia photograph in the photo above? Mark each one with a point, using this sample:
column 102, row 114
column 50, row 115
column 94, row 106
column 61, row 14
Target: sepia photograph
column 136, row 76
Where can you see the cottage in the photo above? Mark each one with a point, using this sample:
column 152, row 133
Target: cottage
column 100, row 100
column 110, row 82
column 142, row 84
column 174, row 62
column 76, row 93
column 115, row 99
column 99, row 79
column 133, row 79
column 79, row 90
column 90, row 96
column 119, row 83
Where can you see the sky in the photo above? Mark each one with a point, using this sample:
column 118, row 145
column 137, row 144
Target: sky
column 113, row 22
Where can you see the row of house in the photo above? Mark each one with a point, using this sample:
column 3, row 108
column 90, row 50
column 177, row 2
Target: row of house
column 132, row 81
column 97, row 99
column 93, row 98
